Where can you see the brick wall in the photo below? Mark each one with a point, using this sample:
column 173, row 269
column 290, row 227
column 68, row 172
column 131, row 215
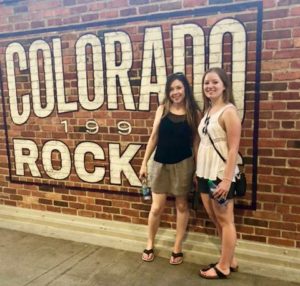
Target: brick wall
column 81, row 80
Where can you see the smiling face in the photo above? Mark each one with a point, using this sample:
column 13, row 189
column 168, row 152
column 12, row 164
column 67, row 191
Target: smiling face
column 177, row 92
column 213, row 86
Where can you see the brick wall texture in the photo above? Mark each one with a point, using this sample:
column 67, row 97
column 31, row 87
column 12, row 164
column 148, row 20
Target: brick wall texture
column 80, row 83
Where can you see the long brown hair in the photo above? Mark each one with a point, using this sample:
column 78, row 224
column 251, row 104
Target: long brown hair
column 191, row 106
column 227, row 94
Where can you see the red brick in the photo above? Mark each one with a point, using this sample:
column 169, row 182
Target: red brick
column 148, row 9
column 291, row 218
column 286, row 75
column 280, row 34
column 292, row 200
column 267, row 232
column 121, row 218
column 295, row 210
column 281, row 242
column 254, row 238
column 130, row 212
column 111, row 210
column 194, row 3
column 287, row 54
column 76, row 205
column 272, row 179
column 287, row 23
column 275, row 14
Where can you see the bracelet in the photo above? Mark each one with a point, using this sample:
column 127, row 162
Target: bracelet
column 226, row 179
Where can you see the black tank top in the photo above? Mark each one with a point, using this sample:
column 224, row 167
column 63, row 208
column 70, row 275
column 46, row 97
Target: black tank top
column 174, row 139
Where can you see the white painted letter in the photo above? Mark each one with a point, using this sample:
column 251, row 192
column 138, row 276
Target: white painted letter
column 154, row 56
column 62, row 105
column 114, row 70
column 17, row 118
column 65, row 159
column 179, row 54
column 79, row 160
column 20, row 145
column 239, row 50
column 84, row 100
column 38, row 109
column 121, row 163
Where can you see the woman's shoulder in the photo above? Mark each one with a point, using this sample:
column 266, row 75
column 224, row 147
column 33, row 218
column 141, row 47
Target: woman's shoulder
column 160, row 109
column 227, row 108
column 159, row 112
column 230, row 107
column 230, row 113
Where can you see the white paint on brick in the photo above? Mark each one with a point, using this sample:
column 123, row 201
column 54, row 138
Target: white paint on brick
column 39, row 109
column 113, row 70
column 65, row 159
column 16, row 116
column 197, row 34
column 98, row 100
column 120, row 163
column 239, row 50
column 79, row 158
column 29, row 160
column 62, row 105
column 153, row 49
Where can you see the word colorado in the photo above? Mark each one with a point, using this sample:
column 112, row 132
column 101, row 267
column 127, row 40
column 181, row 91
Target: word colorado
column 110, row 64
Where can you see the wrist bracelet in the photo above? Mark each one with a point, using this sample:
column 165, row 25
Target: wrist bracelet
column 226, row 179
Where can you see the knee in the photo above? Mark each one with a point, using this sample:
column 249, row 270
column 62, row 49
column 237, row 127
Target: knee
column 156, row 210
column 223, row 221
column 182, row 207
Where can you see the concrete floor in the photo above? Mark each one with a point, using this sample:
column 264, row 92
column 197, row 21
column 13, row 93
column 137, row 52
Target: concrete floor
column 29, row 259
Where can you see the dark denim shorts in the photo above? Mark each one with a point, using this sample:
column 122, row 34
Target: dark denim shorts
column 204, row 188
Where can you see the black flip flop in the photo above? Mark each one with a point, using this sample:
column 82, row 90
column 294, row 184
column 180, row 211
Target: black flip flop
column 176, row 255
column 219, row 274
column 148, row 252
column 232, row 269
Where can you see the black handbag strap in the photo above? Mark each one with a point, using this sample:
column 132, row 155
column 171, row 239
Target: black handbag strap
column 223, row 159
column 212, row 142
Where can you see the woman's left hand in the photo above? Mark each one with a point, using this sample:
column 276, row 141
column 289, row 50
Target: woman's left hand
column 222, row 189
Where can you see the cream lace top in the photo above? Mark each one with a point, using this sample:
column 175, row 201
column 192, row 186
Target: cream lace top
column 209, row 164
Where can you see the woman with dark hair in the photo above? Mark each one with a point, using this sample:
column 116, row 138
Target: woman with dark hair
column 219, row 129
column 174, row 135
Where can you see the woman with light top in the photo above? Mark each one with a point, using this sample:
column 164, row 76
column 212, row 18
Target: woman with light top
column 220, row 131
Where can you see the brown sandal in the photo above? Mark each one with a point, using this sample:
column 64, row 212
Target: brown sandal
column 149, row 253
column 232, row 269
column 219, row 274
column 174, row 260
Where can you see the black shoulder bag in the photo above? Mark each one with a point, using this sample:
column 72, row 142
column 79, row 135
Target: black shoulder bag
column 240, row 178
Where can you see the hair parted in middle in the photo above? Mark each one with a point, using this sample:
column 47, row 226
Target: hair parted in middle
column 191, row 105
column 227, row 94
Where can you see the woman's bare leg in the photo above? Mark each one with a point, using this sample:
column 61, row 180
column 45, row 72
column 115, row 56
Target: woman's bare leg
column 182, row 217
column 157, row 207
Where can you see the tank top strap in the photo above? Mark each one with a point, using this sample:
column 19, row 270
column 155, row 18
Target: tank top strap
column 218, row 114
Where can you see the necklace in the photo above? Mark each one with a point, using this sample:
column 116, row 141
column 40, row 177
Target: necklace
column 206, row 122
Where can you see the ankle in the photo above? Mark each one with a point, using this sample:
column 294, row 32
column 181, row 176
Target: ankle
column 224, row 268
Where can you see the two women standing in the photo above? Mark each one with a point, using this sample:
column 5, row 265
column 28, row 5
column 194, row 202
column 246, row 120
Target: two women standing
column 176, row 141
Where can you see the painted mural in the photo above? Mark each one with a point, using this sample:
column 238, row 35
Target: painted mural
column 79, row 100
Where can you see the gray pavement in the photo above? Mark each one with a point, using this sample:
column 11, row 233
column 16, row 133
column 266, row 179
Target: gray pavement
column 28, row 259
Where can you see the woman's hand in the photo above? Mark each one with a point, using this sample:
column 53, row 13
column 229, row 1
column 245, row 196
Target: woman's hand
column 222, row 189
column 195, row 181
column 143, row 172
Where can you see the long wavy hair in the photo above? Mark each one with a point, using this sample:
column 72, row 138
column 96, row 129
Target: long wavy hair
column 191, row 105
column 227, row 94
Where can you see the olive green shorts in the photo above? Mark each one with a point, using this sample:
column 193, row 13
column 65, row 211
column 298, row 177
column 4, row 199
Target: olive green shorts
column 175, row 179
